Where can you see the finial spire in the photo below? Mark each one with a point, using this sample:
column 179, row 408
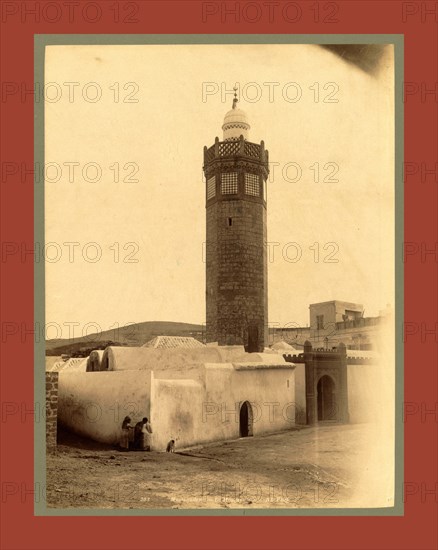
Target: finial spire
column 235, row 100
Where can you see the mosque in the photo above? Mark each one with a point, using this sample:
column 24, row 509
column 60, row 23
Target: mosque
column 234, row 385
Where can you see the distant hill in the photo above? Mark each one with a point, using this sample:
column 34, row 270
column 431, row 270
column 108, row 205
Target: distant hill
column 136, row 334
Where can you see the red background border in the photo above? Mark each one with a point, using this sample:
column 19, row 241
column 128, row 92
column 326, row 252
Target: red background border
column 417, row 529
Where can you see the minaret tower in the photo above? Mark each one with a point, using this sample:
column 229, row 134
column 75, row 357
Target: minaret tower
column 236, row 254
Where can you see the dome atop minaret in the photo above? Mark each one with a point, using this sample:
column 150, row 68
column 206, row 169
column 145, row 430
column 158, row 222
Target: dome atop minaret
column 235, row 122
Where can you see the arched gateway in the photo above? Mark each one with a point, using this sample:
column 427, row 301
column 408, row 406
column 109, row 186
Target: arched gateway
column 245, row 419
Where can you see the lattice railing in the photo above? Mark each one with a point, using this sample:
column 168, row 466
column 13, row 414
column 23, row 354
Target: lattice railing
column 252, row 150
column 231, row 148
column 209, row 154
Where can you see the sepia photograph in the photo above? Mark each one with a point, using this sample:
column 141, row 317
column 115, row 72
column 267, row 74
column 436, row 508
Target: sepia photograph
column 220, row 275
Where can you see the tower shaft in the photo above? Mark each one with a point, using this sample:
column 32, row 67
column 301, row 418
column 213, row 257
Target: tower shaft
column 236, row 252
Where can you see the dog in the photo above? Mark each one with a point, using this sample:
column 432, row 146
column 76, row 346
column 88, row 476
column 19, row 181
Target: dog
column 170, row 446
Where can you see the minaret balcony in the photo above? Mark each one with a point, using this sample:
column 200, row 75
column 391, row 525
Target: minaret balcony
column 236, row 148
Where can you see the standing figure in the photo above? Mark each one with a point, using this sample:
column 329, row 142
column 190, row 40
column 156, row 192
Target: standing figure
column 138, row 436
column 126, row 433
column 142, row 433
column 146, row 431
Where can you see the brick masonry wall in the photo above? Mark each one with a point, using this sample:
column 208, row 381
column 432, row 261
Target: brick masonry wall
column 236, row 252
column 236, row 270
column 51, row 409
column 211, row 273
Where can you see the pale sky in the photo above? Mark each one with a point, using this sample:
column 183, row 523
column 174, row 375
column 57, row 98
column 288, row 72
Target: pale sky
column 163, row 212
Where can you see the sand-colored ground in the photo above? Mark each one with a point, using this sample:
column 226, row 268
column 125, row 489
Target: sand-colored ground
column 319, row 467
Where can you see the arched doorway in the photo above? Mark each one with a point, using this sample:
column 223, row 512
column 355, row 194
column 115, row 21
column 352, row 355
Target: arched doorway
column 245, row 419
column 326, row 398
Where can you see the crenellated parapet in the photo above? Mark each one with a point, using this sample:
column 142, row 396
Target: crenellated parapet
column 326, row 382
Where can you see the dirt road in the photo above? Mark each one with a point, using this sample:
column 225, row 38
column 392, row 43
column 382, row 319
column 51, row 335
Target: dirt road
column 309, row 467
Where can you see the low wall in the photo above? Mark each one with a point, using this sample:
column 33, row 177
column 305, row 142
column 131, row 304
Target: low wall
column 269, row 389
column 191, row 403
column 175, row 412
column 194, row 413
column 300, row 393
column 51, row 409
column 94, row 404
